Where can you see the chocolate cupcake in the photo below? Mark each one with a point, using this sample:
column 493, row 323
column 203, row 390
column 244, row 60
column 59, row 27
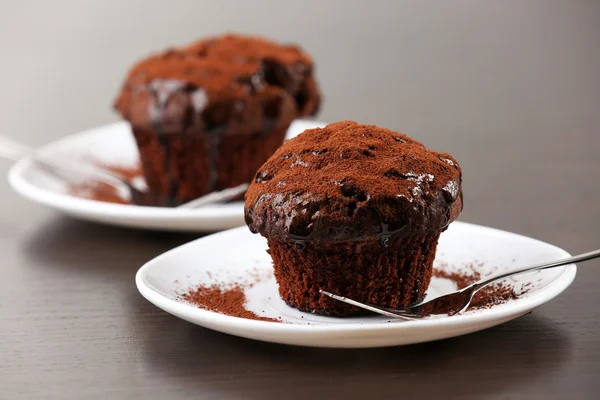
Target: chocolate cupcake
column 356, row 210
column 205, row 117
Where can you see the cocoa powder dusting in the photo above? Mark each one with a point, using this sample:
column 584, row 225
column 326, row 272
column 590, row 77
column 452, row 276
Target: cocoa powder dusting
column 226, row 68
column 349, row 181
column 367, row 158
column 100, row 191
column 128, row 172
column 248, row 48
column 487, row 297
column 229, row 300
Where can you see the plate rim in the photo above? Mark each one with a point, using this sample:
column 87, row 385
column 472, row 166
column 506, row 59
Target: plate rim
column 551, row 291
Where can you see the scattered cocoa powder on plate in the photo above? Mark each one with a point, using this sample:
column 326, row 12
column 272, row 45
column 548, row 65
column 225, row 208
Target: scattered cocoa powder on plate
column 228, row 300
column 100, row 191
column 485, row 298
column 95, row 190
column 128, row 172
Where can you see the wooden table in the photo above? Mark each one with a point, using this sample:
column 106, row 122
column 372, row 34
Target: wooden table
column 512, row 89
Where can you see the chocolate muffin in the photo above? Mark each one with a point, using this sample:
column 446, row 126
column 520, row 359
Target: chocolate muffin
column 356, row 210
column 206, row 116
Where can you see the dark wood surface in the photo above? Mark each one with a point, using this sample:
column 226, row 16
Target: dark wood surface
column 511, row 89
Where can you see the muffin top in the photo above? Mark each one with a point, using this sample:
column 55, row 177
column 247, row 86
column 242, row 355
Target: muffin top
column 245, row 81
column 284, row 66
column 349, row 181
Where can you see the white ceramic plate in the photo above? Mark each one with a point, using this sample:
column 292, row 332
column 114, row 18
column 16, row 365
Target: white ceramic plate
column 211, row 259
column 114, row 145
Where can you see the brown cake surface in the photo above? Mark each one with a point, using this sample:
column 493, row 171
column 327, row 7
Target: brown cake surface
column 217, row 70
column 175, row 91
column 356, row 210
column 285, row 66
column 205, row 117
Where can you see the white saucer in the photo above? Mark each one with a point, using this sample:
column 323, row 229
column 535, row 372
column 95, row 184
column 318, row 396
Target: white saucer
column 114, row 145
column 211, row 259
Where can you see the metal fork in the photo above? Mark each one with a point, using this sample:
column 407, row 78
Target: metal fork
column 458, row 301
column 73, row 172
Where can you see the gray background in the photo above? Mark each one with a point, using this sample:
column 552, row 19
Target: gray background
column 493, row 72
column 510, row 88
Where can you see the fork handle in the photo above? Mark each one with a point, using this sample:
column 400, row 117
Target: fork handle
column 63, row 168
column 571, row 260
column 14, row 151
